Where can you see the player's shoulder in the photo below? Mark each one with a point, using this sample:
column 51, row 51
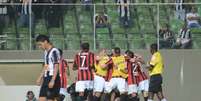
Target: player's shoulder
column 55, row 49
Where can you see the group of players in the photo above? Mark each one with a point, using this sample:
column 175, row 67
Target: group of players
column 115, row 76
column 103, row 73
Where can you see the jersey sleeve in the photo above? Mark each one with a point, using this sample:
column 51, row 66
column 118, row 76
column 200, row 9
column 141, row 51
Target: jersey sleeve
column 154, row 60
column 55, row 57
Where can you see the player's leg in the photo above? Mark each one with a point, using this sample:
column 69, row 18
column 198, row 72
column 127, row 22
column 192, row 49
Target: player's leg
column 42, row 99
column 109, row 85
column 121, row 86
column 161, row 96
column 150, row 96
column 62, row 94
column 43, row 90
column 89, row 86
column 99, row 84
column 132, row 92
column 42, row 95
column 152, row 89
column 80, row 87
column 145, row 88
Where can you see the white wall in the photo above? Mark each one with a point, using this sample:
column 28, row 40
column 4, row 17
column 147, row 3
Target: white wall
column 18, row 93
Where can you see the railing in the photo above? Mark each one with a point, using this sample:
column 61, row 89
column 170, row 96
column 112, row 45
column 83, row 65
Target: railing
column 74, row 24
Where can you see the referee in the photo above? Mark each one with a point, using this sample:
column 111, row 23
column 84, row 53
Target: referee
column 155, row 67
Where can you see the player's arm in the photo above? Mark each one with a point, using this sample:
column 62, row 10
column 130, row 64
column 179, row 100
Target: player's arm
column 109, row 62
column 75, row 66
column 56, row 59
column 56, row 70
column 40, row 77
column 152, row 63
column 140, row 59
column 149, row 67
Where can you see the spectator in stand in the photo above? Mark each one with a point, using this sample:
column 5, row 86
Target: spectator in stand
column 193, row 18
column 124, row 12
column 166, row 37
column 184, row 39
column 24, row 13
column 180, row 11
column 102, row 21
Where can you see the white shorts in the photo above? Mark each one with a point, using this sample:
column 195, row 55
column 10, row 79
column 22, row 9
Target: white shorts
column 132, row 88
column 80, row 86
column 99, row 83
column 119, row 83
column 107, row 86
column 143, row 85
column 63, row 91
column 126, row 86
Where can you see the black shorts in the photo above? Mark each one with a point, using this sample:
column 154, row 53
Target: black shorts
column 155, row 83
column 50, row 93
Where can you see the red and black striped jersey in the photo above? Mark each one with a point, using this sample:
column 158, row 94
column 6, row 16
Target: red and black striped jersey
column 135, row 73
column 131, row 70
column 63, row 72
column 109, row 73
column 84, row 61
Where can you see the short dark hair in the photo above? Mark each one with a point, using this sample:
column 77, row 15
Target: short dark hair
column 117, row 50
column 85, row 46
column 42, row 38
column 154, row 46
column 131, row 54
column 30, row 92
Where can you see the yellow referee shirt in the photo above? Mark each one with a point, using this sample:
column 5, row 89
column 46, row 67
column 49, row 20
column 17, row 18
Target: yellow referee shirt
column 157, row 62
column 100, row 70
column 119, row 68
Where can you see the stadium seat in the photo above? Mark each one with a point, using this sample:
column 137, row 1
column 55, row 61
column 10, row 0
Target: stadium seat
column 103, row 40
column 196, row 37
column 150, row 38
column 70, row 22
column 73, row 41
column 119, row 40
column 58, row 40
column 40, row 27
column 135, row 41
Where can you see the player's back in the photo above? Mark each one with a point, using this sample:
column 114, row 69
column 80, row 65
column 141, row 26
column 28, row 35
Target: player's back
column 84, row 61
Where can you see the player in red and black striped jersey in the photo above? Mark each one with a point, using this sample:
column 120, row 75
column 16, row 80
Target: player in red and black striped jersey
column 137, row 75
column 84, row 63
column 63, row 72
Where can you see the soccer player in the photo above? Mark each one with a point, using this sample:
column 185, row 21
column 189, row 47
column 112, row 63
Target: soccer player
column 100, row 74
column 49, row 76
column 63, row 72
column 84, row 63
column 119, row 73
column 155, row 67
column 132, row 80
column 138, row 74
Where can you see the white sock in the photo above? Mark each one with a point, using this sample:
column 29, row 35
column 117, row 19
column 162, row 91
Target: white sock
column 149, row 100
column 163, row 99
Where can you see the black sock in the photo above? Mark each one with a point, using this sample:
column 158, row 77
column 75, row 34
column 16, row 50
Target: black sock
column 123, row 97
column 135, row 99
column 145, row 98
column 95, row 98
column 61, row 97
column 107, row 97
column 90, row 95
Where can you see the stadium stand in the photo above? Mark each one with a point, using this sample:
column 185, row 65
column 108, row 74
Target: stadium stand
column 77, row 27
